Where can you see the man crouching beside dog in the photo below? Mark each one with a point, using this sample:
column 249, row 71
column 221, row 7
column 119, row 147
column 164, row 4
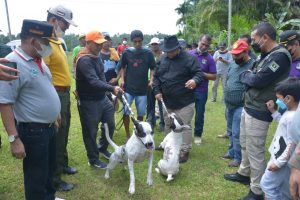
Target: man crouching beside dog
column 176, row 76
column 93, row 105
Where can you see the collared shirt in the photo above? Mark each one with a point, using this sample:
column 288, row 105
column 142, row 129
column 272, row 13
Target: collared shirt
column 32, row 95
column 58, row 64
column 207, row 65
column 295, row 69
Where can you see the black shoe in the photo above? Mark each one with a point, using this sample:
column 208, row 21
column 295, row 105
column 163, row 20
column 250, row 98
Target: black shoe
column 184, row 157
column 238, row 178
column 106, row 154
column 64, row 186
column 69, row 170
column 97, row 164
column 252, row 196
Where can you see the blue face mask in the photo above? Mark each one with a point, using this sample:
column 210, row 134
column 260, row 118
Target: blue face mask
column 281, row 104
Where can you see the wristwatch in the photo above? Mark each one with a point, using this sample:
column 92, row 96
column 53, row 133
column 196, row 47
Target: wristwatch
column 12, row 138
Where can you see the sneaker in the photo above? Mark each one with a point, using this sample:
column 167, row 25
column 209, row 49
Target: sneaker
column 106, row 154
column 57, row 198
column 197, row 140
column 97, row 164
column 69, row 170
column 227, row 157
column 64, row 186
column 234, row 164
column 224, row 136
column 213, row 100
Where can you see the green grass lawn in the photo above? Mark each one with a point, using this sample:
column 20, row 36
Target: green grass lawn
column 200, row 178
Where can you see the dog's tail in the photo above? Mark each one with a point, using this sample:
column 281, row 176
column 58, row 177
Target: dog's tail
column 108, row 138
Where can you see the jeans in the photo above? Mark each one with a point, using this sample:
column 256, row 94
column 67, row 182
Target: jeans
column 233, row 124
column 200, row 101
column 62, row 136
column 151, row 118
column 39, row 163
column 140, row 104
column 275, row 184
column 91, row 113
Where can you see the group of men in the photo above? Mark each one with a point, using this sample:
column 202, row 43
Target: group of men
column 38, row 131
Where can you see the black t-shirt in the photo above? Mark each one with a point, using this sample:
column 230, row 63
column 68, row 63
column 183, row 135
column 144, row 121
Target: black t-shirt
column 137, row 63
column 109, row 67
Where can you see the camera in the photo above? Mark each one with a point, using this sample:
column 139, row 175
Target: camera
column 11, row 65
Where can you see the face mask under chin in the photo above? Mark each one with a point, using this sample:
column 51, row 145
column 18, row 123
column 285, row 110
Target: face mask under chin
column 46, row 50
column 59, row 32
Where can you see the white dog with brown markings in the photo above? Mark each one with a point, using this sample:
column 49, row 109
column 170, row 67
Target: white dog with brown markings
column 139, row 147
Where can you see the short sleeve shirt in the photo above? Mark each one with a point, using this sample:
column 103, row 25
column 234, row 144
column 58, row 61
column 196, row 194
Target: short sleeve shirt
column 32, row 95
column 222, row 68
column 137, row 63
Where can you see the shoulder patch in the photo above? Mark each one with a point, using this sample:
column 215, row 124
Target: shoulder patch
column 298, row 66
column 274, row 66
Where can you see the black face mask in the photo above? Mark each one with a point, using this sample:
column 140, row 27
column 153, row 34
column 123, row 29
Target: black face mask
column 239, row 61
column 256, row 47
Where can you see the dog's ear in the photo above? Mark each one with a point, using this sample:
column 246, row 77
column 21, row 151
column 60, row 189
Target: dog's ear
column 175, row 122
column 138, row 127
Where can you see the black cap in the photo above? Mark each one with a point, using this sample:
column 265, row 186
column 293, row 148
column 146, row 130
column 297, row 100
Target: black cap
column 170, row 43
column 287, row 36
column 222, row 44
column 36, row 28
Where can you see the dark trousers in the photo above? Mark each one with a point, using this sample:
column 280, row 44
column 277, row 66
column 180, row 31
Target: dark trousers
column 39, row 163
column 200, row 102
column 151, row 118
column 91, row 114
column 62, row 136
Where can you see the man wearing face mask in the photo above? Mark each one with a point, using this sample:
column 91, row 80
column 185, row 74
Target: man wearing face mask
column 272, row 67
column 222, row 58
column 290, row 39
column 27, row 99
column 208, row 66
column 177, row 75
column 234, row 101
column 61, row 18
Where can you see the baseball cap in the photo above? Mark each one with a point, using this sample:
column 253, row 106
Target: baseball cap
column 155, row 40
column 64, row 13
column 239, row 47
column 287, row 36
column 36, row 28
column 222, row 44
column 95, row 36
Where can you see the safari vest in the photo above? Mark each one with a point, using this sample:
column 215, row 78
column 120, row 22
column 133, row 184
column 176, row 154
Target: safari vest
column 256, row 98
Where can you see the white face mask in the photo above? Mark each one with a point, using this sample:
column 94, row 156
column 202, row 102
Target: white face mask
column 46, row 50
column 59, row 33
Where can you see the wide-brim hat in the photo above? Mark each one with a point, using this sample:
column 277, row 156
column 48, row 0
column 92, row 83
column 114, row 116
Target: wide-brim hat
column 170, row 43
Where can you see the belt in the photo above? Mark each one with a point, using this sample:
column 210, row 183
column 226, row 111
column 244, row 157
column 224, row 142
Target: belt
column 35, row 125
column 62, row 88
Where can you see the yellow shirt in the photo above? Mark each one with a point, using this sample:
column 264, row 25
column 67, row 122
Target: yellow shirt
column 58, row 65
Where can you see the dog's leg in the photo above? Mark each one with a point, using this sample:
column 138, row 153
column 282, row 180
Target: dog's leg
column 149, row 175
column 170, row 178
column 132, row 178
column 113, row 161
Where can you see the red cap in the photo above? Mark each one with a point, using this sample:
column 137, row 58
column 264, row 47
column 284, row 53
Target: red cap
column 239, row 47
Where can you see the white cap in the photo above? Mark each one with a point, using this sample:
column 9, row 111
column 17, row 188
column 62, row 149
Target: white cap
column 155, row 40
column 64, row 13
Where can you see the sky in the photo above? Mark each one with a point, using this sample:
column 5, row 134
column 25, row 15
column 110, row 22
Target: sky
column 112, row 16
